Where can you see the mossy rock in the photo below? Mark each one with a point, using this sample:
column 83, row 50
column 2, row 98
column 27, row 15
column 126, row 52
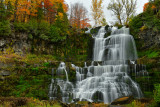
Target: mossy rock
column 106, row 27
column 107, row 34
column 95, row 30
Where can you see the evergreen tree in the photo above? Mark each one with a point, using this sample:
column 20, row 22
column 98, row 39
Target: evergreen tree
column 59, row 29
column 2, row 11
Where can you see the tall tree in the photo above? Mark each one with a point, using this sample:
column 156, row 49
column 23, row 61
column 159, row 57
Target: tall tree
column 78, row 16
column 97, row 12
column 130, row 9
column 50, row 11
column 123, row 10
column 2, row 11
column 59, row 29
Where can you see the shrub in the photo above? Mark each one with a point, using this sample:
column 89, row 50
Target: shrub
column 20, row 27
column 43, row 36
column 33, row 27
column 157, row 93
column 55, row 34
column 136, row 103
column 153, row 54
column 118, row 25
column 5, row 29
column 30, row 36
column 135, row 24
column 95, row 30
column 43, row 28
column 156, row 22
column 143, row 28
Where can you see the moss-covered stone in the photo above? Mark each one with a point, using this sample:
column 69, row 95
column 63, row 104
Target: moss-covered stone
column 95, row 30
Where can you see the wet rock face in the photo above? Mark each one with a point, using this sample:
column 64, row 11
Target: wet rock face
column 18, row 42
column 4, row 73
column 150, row 38
column 2, row 43
column 13, row 102
column 22, row 44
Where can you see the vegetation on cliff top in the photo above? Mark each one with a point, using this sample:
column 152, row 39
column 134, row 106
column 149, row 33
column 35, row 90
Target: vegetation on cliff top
column 149, row 19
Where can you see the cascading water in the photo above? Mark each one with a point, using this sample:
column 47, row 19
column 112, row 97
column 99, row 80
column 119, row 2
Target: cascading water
column 99, row 45
column 65, row 87
column 107, row 78
column 110, row 80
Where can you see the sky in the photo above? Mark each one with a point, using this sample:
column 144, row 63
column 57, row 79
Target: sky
column 108, row 14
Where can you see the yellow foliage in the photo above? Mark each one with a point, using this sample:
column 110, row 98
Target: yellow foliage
column 9, row 50
column 143, row 28
column 60, row 15
column 23, row 9
column 97, row 11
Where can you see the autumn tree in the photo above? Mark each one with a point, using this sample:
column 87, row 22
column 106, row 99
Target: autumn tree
column 50, row 11
column 78, row 16
column 123, row 10
column 24, row 10
column 97, row 12
column 152, row 4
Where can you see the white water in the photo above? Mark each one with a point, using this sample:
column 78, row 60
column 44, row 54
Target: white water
column 107, row 77
column 65, row 87
column 110, row 80
column 119, row 46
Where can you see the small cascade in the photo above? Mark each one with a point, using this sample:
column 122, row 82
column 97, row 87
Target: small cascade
column 107, row 77
column 99, row 45
column 62, row 87
column 85, row 64
column 53, row 88
column 62, row 69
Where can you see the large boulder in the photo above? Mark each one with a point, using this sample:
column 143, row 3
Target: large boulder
column 123, row 100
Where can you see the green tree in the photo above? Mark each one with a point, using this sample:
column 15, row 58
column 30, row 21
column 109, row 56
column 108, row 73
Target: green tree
column 5, row 29
column 2, row 11
column 61, row 22
column 54, row 34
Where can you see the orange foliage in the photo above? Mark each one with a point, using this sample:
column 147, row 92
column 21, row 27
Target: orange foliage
column 24, row 9
column 78, row 16
column 146, row 6
column 84, row 23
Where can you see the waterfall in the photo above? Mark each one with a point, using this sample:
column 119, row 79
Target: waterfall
column 107, row 77
column 61, row 86
column 110, row 80
column 120, row 45
column 99, row 45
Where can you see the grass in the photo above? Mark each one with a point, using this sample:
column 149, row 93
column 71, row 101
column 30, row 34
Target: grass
column 149, row 54
column 153, row 54
column 28, row 58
